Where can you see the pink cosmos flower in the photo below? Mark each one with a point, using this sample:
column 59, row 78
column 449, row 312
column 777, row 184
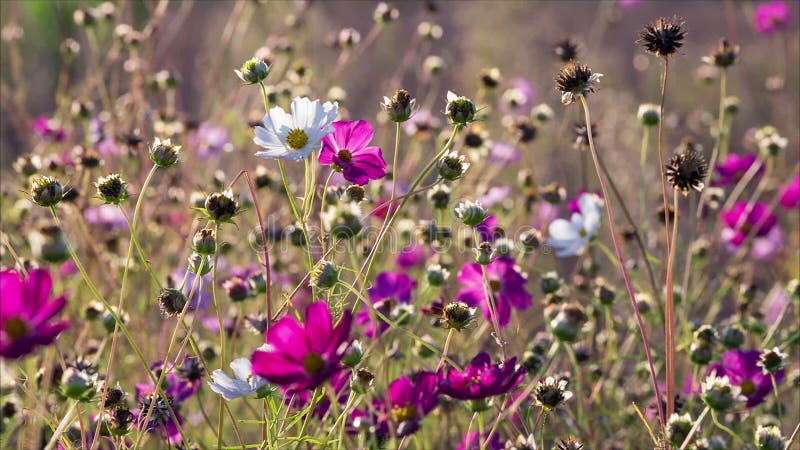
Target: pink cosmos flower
column 733, row 168
column 742, row 218
column 790, row 194
column 302, row 357
column 771, row 16
column 506, row 282
column 346, row 150
column 25, row 311
column 390, row 289
column 741, row 367
column 482, row 378
column 48, row 128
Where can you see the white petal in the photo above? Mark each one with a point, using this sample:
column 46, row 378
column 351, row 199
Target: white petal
column 451, row 96
column 242, row 368
column 560, row 229
column 228, row 387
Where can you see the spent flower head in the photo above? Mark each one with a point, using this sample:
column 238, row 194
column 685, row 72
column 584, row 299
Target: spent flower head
column 575, row 80
column 687, row 171
column 221, row 206
column 772, row 361
column 253, row 71
column 452, row 166
column 769, row 437
column 551, row 393
column 724, row 55
column 470, row 213
column 663, row 37
column 164, row 153
column 400, row 107
column 718, row 393
column 458, row 316
column 649, row 114
column 460, row 110
column 46, row 191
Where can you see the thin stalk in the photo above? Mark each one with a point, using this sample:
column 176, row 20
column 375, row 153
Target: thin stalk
column 446, row 348
column 578, row 383
column 621, row 259
column 694, row 428
column 643, row 179
column 221, row 422
column 661, row 154
column 724, row 428
column 669, row 319
column 778, row 403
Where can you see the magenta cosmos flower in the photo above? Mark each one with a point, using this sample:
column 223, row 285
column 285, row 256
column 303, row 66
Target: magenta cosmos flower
column 771, row 16
column 390, row 289
column 506, row 282
column 482, row 378
column 346, row 150
column 733, row 168
column 740, row 366
column 790, row 194
column 743, row 218
column 301, row 358
column 410, row 400
column 25, row 312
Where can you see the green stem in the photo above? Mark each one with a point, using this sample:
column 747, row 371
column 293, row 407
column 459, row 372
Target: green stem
column 644, row 184
column 724, row 428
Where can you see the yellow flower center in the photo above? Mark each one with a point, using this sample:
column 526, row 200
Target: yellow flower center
column 16, row 328
column 583, row 232
column 404, row 414
column 494, row 285
column 748, row 388
column 313, row 363
column 296, row 139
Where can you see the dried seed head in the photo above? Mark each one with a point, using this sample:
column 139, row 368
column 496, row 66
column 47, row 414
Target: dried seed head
column 46, row 191
column 663, row 37
column 724, row 55
column 112, row 189
column 575, row 80
column 565, row 50
column 687, row 171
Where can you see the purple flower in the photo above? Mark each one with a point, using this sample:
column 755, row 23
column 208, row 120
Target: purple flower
column 161, row 421
column 503, row 153
column 790, row 194
column 494, row 195
column 473, row 441
column 487, row 229
column 518, row 98
column 177, row 384
column 742, row 218
column 482, row 378
column 48, row 128
column 301, row 358
column 573, row 204
column 208, row 140
column 411, row 256
column 733, row 168
column 410, row 401
column 25, row 313
column 422, row 124
column 740, row 366
column 346, row 150
column 771, row 16
column 390, row 289
column 107, row 217
column 507, row 285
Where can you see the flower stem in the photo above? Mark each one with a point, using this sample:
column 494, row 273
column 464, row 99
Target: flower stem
column 669, row 319
column 778, row 403
column 621, row 259
column 724, row 428
column 643, row 180
column 694, row 429
column 447, row 347
column 661, row 152
column 221, row 423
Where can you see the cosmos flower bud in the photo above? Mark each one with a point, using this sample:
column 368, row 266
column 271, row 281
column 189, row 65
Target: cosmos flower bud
column 385, row 13
column 542, row 113
column 253, row 71
column 460, row 110
column 530, row 240
column 458, row 316
column 706, row 334
column 550, row 282
column 353, row 355
column 221, row 206
column 84, row 17
column 553, row 193
column 325, row 275
column 294, row 232
column 430, row 31
column 199, row 264
column 69, row 48
column 649, row 114
column 772, row 361
column 80, row 109
column 484, row 253
column 28, row 165
column 236, row 288
column 437, row 275
column 565, row 50
column 718, row 393
column 452, row 166
column 731, row 105
column 46, row 191
column 113, row 396
column 48, row 243
column 470, row 213
column 164, row 154
column 567, row 323
column 348, row 38
column 732, row 336
column 78, row 383
column 439, row 196
column 503, row 247
column 204, row 242
column 112, row 189
column 362, row 380
column 678, row 427
column 342, row 221
column 524, row 129
column 171, row 302
column 117, row 422
column 606, row 294
column 701, row 352
column 400, row 107
column 724, row 55
column 769, row 437
column 769, row 141
column 354, row 193
column 532, row 362
column 490, row 77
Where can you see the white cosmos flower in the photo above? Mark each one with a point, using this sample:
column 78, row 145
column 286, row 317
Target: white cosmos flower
column 245, row 383
column 569, row 237
column 294, row 136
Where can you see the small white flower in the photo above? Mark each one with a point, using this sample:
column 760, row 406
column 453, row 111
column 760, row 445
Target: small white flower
column 245, row 383
column 569, row 237
column 294, row 136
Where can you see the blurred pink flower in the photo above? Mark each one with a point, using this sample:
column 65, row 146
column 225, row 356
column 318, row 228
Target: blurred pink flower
column 771, row 16
column 790, row 194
